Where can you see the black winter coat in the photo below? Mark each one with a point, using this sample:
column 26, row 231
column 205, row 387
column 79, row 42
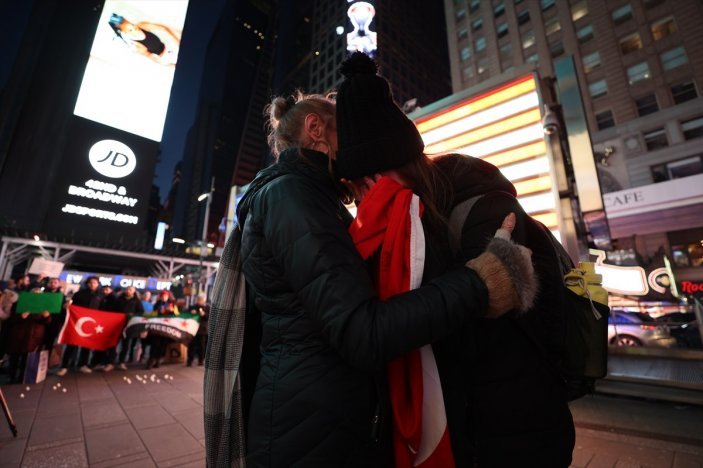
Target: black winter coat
column 517, row 409
column 324, row 333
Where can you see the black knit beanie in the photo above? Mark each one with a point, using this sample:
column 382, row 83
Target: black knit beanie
column 373, row 134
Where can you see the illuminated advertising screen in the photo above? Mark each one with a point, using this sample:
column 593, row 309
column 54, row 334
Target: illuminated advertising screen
column 104, row 185
column 127, row 81
column 502, row 126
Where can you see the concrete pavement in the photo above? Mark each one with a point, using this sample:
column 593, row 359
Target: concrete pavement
column 102, row 420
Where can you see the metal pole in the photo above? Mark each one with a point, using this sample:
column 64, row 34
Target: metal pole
column 203, row 246
column 698, row 310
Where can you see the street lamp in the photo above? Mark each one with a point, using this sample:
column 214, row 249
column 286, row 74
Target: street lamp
column 204, row 243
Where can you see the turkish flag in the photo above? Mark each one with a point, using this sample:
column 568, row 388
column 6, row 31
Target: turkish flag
column 93, row 329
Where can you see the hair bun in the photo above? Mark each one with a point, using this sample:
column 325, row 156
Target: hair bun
column 358, row 63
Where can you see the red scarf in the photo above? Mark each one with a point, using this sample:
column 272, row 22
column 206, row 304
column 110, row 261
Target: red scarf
column 388, row 221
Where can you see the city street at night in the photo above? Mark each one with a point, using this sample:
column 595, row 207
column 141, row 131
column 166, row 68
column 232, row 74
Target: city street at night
column 322, row 233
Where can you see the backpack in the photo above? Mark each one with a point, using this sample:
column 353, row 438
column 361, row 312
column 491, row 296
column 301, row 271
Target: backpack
column 576, row 347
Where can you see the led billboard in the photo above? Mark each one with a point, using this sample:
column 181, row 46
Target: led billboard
column 104, row 183
column 127, row 81
column 502, row 126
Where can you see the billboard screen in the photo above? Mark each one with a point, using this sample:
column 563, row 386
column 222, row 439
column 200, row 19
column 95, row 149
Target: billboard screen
column 502, row 126
column 104, row 183
column 127, row 81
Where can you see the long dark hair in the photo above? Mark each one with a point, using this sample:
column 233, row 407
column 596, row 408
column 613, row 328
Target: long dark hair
column 433, row 187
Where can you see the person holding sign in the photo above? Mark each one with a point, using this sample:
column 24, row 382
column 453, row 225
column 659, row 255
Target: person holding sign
column 26, row 333
column 53, row 329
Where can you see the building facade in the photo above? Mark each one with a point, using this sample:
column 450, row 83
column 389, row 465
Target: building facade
column 415, row 63
column 639, row 68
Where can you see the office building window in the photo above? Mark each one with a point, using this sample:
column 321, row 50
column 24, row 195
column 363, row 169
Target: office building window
column 463, row 34
column 591, row 62
column 506, row 51
column 683, row 92
column 647, row 105
column 598, row 88
column 460, row 15
column 605, row 120
column 656, row 139
column 474, row 5
column 556, row 48
column 630, row 43
column 664, row 27
column 673, row 58
column 579, row 10
column 477, row 24
column 483, row 65
column 480, row 43
column 622, row 14
column 686, row 167
column 523, row 17
column 533, row 59
column 585, row 34
column 502, row 30
column 465, row 54
column 637, row 73
column 468, row 72
column 499, row 10
column 692, row 128
column 552, row 26
column 546, row 4
column 528, row 39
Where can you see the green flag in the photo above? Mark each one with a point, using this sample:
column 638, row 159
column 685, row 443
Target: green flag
column 36, row 303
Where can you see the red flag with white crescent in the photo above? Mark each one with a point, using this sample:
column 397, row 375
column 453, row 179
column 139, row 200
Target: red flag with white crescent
column 388, row 223
column 91, row 328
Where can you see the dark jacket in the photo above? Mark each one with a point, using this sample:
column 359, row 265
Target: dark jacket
column 26, row 334
column 110, row 303
column 517, row 410
column 323, row 331
column 87, row 298
column 129, row 305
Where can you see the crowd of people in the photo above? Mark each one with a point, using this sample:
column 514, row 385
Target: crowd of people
column 22, row 332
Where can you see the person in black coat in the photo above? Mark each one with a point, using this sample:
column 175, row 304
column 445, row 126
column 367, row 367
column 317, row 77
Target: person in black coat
column 104, row 359
column 88, row 297
column 198, row 345
column 57, row 320
column 311, row 396
column 532, row 426
column 129, row 303
column 505, row 406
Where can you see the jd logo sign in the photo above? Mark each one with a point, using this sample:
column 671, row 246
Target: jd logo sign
column 112, row 159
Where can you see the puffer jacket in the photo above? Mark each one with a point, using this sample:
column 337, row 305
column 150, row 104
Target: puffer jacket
column 517, row 413
column 324, row 333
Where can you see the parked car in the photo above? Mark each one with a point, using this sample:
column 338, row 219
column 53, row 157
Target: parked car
column 637, row 329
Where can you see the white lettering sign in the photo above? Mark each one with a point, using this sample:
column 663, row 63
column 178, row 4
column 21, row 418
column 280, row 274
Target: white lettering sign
column 100, row 214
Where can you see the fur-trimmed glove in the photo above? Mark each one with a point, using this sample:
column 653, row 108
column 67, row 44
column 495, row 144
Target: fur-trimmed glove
column 506, row 269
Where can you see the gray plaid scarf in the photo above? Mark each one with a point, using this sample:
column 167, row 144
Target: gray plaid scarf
column 222, row 405
column 224, row 426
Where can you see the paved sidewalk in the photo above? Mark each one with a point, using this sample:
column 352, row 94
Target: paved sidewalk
column 626, row 432
column 101, row 420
